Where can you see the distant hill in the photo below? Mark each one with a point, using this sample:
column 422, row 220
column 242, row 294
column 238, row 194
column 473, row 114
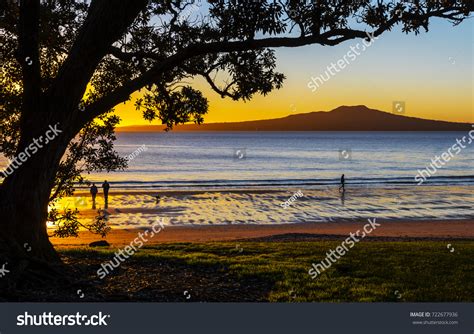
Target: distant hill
column 344, row 118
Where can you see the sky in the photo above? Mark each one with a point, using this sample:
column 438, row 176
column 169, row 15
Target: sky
column 431, row 73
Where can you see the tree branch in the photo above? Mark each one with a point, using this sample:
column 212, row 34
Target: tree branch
column 122, row 94
column 106, row 22
column 28, row 54
column 206, row 75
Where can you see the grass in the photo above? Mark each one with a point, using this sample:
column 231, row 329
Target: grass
column 278, row 272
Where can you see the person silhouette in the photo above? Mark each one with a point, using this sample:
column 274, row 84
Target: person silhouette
column 343, row 184
column 93, row 192
column 106, row 187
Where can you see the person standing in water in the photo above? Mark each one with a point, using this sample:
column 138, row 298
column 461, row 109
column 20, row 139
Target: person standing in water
column 343, row 184
column 93, row 192
column 106, row 187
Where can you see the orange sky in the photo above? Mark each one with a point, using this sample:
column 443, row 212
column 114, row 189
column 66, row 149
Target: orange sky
column 453, row 105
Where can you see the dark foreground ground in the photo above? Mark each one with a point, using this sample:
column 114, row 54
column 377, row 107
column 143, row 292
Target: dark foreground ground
column 274, row 270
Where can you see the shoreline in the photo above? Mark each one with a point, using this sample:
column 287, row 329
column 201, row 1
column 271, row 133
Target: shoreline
column 396, row 230
column 263, row 188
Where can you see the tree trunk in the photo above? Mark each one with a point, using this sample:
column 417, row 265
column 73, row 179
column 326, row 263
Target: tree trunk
column 24, row 198
column 23, row 212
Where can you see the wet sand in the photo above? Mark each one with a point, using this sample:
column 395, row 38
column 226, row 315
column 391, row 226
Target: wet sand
column 388, row 230
column 268, row 207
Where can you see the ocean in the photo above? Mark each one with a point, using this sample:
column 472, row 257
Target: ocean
column 195, row 160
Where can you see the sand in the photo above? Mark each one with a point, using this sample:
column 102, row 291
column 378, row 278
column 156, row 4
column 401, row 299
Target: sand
column 405, row 213
column 388, row 230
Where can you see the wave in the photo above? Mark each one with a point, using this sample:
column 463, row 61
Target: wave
column 219, row 183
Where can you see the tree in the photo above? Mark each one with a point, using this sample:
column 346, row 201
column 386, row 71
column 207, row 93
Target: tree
column 66, row 64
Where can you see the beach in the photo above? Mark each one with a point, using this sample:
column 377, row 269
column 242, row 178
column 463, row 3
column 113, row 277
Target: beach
column 129, row 209
column 388, row 231
column 280, row 183
column 436, row 212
